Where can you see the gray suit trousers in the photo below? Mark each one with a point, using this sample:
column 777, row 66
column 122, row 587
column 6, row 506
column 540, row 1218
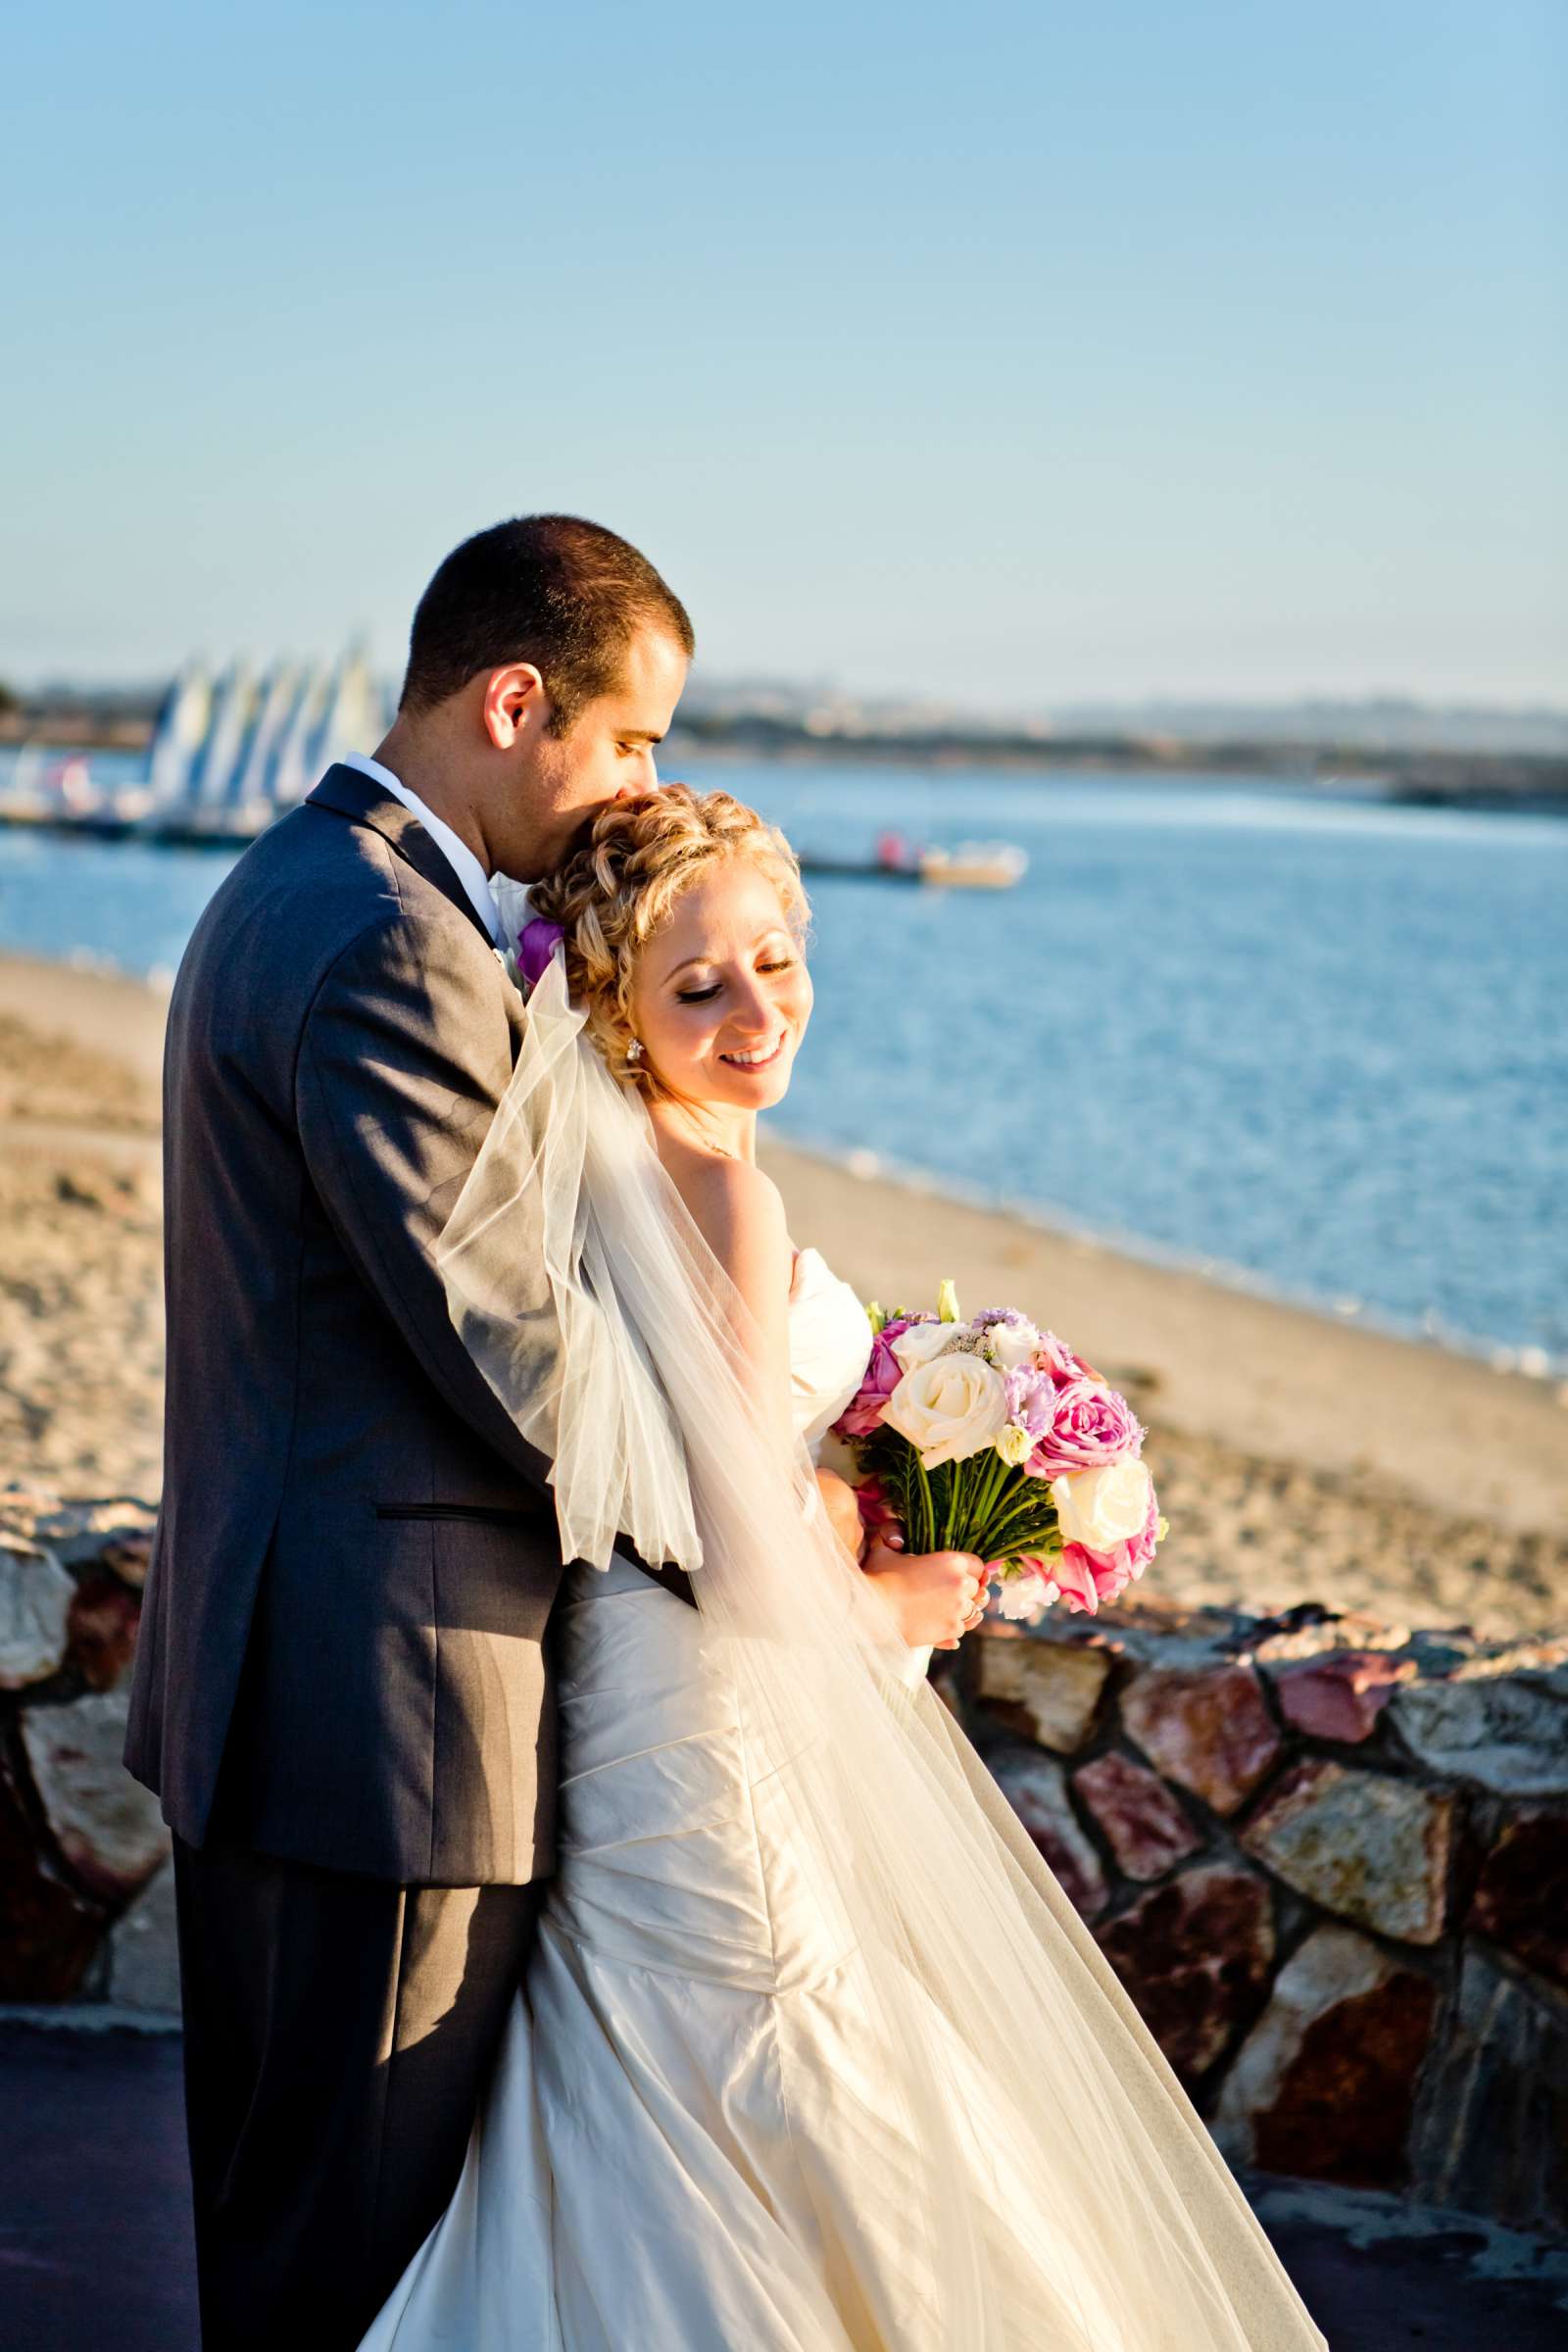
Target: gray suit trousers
column 339, row 2031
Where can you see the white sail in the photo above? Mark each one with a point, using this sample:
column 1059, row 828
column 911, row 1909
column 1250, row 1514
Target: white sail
column 275, row 707
column 288, row 778
column 179, row 734
column 235, row 704
column 351, row 720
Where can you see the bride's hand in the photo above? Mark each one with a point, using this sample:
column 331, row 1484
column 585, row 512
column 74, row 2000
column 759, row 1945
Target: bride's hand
column 936, row 1596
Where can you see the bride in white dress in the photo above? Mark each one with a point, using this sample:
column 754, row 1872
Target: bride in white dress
column 813, row 2055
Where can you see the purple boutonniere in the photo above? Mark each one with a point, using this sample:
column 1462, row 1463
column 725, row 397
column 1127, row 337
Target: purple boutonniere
column 537, row 941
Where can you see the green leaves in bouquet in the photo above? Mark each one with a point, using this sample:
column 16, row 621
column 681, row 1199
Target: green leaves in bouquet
column 980, row 1505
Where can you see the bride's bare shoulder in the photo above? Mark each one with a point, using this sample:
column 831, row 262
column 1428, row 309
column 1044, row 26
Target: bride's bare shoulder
column 740, row 1214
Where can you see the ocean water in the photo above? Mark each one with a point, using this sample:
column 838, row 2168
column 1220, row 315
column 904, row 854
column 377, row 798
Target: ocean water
column 1313, row 1045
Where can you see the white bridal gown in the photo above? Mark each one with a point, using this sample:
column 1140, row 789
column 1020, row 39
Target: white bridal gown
column 683, row 2148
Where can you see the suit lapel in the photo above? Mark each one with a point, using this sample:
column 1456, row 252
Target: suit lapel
column 348, row 793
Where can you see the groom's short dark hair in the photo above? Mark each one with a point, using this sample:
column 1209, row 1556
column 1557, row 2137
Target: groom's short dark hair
column 551, row 589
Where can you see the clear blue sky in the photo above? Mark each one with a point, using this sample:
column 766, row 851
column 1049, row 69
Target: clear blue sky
column 1014, row 354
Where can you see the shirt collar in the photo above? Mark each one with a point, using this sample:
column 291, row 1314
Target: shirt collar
column 456, row 852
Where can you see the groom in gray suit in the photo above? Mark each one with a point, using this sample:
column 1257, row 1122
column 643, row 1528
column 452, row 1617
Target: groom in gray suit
column 342, row 1693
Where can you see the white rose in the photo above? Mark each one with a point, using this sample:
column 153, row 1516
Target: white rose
column 1102, row 1508
column 921, row 1342
column 948, row 1409
column 1014, row 1344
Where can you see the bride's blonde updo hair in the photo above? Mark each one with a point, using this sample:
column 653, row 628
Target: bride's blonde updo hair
column 618, row 885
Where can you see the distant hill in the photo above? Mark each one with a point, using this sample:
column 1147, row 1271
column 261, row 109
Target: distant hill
column 1379, row 722
column 1371, row 724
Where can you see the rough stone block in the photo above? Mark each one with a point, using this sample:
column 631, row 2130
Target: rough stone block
column 50, row 1932
column 1311, row 1632
column 1210, row 1729
column 1047, row 1690
column 1371, row 1848
column 1036, row 1790
column 1491, row 2135
column 1508, row 1735
column 131, row 1559
column 35, row 1597
column 144, row 1950
column 1341, row 1696
column 104, row 1824
column 1193, row 1955
column 104, row 1616
column 1521, row 1897
column 1148, row 1829
column 1324, row 2085
column 77, row 1532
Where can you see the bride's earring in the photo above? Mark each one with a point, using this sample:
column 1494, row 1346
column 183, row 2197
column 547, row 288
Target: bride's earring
column 634, row 1051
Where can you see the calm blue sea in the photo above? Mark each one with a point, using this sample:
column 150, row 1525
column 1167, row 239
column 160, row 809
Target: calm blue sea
column 1313, row 1045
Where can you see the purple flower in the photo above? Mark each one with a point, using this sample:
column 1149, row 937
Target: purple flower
column 537, row 941
column 1090, row 1426
column 1030, row 1401
column 864, row 1412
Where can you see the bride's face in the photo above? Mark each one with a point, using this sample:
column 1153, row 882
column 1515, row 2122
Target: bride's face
column 721, row 996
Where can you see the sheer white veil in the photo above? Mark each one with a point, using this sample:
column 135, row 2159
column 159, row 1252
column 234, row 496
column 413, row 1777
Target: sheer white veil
column 991, row 2017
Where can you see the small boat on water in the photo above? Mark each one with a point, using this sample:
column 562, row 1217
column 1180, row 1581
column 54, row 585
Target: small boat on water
column 972, row 865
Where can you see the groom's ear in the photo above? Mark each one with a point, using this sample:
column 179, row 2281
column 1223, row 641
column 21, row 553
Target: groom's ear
column 514, row 703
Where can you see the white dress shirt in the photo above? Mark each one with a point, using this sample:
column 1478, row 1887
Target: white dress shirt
column 456, row 852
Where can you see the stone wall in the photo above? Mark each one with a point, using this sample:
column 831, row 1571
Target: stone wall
column 86, row 1908
column 1329, row 1860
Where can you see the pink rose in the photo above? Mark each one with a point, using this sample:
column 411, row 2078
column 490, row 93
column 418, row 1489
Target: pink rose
column 861, row 1417
column 1090, row 1426
column 876, row 1512
column 1087, row 1578
column 1054, row 1356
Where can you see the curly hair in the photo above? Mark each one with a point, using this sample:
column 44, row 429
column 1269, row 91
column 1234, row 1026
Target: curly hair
column 618, row 885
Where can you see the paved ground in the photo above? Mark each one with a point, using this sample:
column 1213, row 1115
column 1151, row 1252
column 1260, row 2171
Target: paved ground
column 95, row 2232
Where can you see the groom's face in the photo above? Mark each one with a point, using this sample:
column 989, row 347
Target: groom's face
column 607, row 751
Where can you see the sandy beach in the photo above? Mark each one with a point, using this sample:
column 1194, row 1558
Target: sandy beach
column 1297, row 1457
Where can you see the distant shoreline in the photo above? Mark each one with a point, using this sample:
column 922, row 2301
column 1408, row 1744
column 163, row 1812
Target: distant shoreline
column 1526, row 782
column 1529, row 782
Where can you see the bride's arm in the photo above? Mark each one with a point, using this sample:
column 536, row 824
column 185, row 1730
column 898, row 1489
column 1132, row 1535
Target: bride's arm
column 742, row 1218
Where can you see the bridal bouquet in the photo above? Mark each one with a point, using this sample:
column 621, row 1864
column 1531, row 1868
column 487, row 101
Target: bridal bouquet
column 992, row 1437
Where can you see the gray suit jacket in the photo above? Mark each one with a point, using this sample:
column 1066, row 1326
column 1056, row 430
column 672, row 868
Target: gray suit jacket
column 356, row 1555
